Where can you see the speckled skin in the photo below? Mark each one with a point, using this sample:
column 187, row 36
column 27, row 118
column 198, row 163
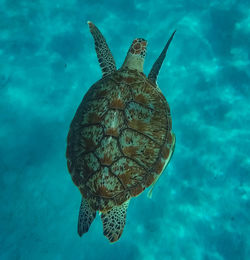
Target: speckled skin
column 119, row 139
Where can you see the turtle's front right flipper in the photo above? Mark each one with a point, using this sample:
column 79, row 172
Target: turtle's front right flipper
column 153, row 74
column 86, row 217
column 103, row 52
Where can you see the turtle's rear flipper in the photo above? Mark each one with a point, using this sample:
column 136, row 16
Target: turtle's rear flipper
column 86, row 217
column 114, row 221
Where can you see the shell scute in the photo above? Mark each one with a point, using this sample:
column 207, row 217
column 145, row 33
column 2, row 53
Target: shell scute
column 91, row 136
column 104, row 184
column 122, row 197
column 118, row 96
column 129, row 172
column 92, row 111
column 139, row 146
column 149, row 95
column 113, row 122
column 78, row 178
column 146, row 121
column 91, row 162
column 85, row 165
column 108, row 150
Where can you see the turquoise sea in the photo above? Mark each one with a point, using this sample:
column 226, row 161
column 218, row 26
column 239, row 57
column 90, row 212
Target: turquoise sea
column 200, row 208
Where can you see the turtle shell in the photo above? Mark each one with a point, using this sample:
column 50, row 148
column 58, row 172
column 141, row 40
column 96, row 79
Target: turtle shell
column 119, row 139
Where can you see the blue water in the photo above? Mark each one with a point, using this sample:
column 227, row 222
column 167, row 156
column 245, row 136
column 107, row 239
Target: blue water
column 200, row 207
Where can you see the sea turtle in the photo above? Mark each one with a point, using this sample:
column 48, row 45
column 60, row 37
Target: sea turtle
column 120, row 139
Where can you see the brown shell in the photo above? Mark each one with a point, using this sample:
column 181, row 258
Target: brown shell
column 119, row 139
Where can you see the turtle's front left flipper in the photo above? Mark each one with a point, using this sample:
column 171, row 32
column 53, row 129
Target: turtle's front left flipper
column 86, row 217
column 114, row 221
column 103, row 52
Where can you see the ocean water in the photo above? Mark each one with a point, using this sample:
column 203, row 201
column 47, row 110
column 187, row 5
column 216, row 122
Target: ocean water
column 200, row 208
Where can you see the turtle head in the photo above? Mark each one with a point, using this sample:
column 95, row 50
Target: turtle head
column 136, row 55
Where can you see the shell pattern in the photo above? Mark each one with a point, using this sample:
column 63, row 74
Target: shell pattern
column 119, row 139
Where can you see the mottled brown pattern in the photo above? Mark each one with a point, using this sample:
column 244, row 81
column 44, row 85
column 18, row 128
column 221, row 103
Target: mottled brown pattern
column 129, row 172
column 119, row 95
column 88, row 144
column 140, row 98
column 80, row 164
column 92, row 162
column 121, row 197
column 114, row 121
column 140, row 126
column 135, row 191
column 131, row 77
column 129, row 80
column 108, row 150
column 104, row 184
column 106, row 160
column 146, row 121
column 112, row 131
column 121, row 111
column 117, row 77
column 169, row 138
column 78, row 178
column 159, row 166
column 149, row 180
column 94, row 118
column 84, row 167
column 102, row 93
column 154, row 98
column 149, row 152
column 92, row 111
column 74, row 147
column 130, row 151
column 137, row 111
column 137, row 146
column 99, row 90
column 90, row 136
column 165, row 151
column 117, row 103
